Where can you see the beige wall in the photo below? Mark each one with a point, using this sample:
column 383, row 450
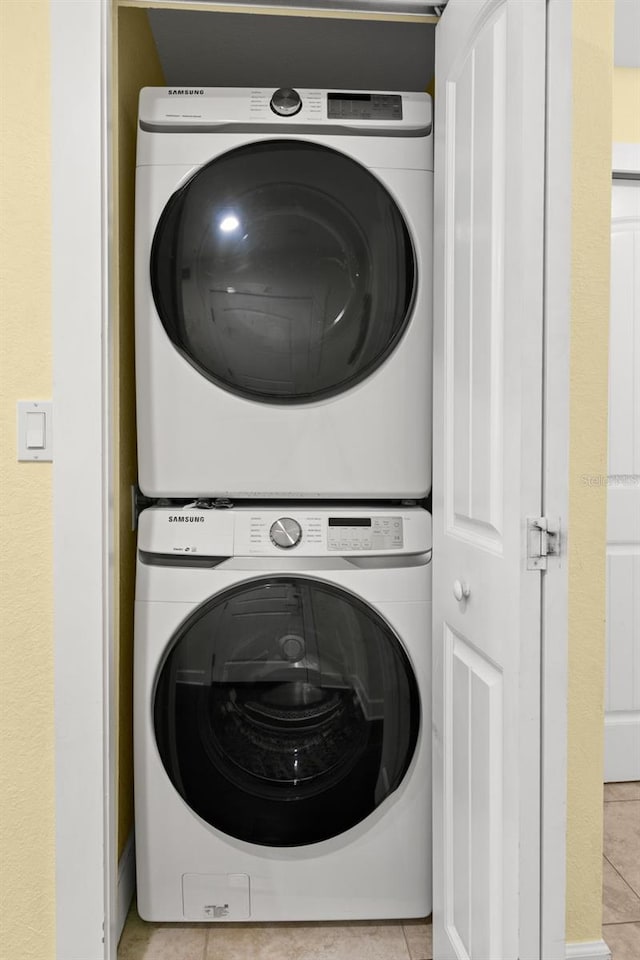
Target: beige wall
column 27, row 890
column 626, row 105
column 592, row 71
column 602, row 92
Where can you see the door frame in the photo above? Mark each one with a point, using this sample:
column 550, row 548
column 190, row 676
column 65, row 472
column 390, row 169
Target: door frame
column 625, row 166
column 84, row 628
column 555, row 474
column 83, row 522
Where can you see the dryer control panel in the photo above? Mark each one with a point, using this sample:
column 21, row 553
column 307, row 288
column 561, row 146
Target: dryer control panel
column 225, row 109
column 364, row 106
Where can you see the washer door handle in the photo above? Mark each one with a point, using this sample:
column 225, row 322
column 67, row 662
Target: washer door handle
column 461, row 590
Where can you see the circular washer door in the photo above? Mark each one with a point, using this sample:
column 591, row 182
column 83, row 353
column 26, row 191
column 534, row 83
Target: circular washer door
column 286, row 711
column 283, row 271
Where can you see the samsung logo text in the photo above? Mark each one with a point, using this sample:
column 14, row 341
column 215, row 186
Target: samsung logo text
column 188, row 519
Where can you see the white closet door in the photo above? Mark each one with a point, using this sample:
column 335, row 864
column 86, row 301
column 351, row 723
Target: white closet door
column 489, row 223
column 622, row 717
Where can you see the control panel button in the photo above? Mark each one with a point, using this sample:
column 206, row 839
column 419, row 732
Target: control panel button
column 286, row 102
column 285, row 533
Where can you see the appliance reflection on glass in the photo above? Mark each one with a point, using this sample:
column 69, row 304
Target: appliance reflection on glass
column 229, row 223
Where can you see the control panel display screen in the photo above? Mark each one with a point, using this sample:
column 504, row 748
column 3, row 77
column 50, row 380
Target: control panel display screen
column 349, row 521
column 347, row 534
column 364, row 106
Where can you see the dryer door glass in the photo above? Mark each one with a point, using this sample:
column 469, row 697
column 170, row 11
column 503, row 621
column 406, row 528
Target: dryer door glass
column 286, row 711
column 283, row 271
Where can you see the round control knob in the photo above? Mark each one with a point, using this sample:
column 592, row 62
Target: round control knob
column 286, row 102
column 285, row 532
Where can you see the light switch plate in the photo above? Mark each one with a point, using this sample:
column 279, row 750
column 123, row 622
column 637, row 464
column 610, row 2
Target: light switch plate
column 35, row 430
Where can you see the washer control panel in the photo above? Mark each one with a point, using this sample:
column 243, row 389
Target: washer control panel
column 334, row 534
column 285, row 532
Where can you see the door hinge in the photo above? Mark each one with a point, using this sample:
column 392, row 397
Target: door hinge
column 543, row 541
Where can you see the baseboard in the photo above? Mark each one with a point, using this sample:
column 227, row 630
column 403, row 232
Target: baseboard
column 126, row 881
column 591, row 950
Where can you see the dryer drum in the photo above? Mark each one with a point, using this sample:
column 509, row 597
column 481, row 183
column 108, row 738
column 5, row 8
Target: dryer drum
column 285, row 752
column 283, row 271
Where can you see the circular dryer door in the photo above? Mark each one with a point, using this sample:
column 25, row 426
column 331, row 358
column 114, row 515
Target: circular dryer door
column 285, row 711
column 283, row 271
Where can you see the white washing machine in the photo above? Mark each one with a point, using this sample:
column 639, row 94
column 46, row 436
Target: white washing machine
column 283, row 293
column 282, row 714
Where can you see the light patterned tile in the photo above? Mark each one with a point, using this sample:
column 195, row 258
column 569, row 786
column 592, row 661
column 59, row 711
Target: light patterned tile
column 161, row 941
column 622, row 840
column 623, row 939
column 622, row 791
column 312, row 941
column 418, row 934
column 620, row 903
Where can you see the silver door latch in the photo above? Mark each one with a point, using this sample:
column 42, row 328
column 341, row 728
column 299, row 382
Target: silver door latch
column 543, row 541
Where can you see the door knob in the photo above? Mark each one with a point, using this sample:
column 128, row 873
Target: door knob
column 461, row 590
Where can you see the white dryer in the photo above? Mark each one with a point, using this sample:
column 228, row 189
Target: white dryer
column 283, row 293
column 282, row 714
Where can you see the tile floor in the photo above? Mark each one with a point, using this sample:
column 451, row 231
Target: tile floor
column 621, row 874
column 394, row 940
column 381, row 940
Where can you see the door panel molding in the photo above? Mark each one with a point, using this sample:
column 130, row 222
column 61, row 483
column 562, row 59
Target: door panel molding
column 473, row 414
column 473, row 760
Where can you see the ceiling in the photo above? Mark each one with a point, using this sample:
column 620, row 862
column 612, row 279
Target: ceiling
column 210, row 49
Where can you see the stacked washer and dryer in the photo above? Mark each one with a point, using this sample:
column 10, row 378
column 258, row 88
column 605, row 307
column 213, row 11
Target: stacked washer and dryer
column 283, row 596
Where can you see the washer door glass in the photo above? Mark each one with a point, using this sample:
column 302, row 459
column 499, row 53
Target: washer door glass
column 286, row 711
column 283, row 271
